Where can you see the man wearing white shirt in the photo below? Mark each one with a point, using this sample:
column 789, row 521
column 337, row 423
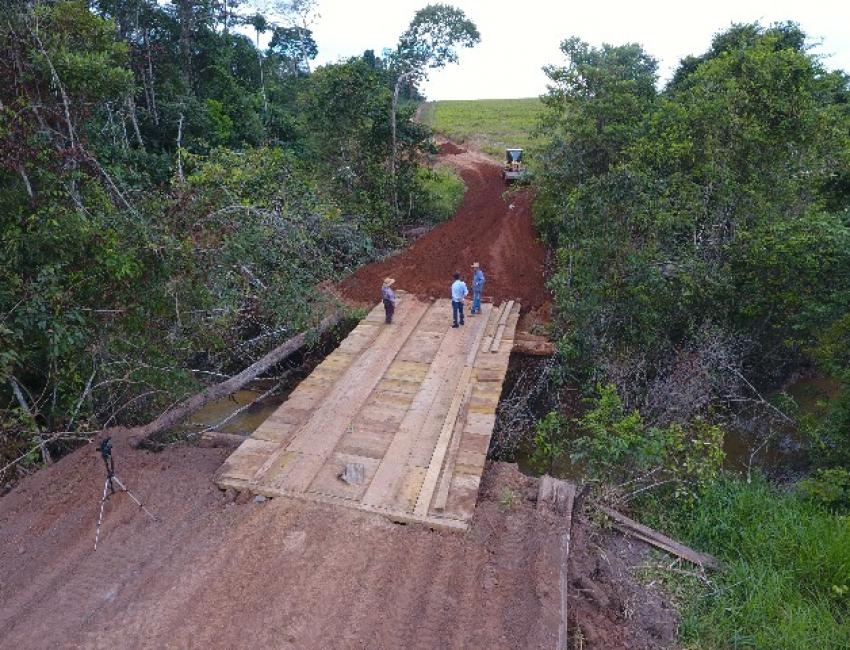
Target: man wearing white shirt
column 459, row 293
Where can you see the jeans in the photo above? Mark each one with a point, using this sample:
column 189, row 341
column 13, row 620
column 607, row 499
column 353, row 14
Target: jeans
column 457, row 312
column 389, row 308
column 476, row 301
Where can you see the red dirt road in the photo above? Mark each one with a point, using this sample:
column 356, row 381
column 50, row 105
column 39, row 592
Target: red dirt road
column 219, row 573
column 497, row 232
column 223, row 571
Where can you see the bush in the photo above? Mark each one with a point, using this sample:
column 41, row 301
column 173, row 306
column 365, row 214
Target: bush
column 441, row 191
column 618, row 447
column 828, row 487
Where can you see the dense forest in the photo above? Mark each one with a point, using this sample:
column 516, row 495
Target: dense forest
column 701, row 232
column 171, row 195
column 701, row 245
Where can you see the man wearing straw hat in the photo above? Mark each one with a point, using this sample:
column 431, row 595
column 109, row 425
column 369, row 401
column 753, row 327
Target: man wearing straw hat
column 389, row 298
column 477, row 288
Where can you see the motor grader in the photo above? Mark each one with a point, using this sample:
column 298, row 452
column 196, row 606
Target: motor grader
column 513, row 169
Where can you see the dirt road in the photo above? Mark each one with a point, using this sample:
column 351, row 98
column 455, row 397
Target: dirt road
column 224, row 571
column 214, row 573
column 491, row 227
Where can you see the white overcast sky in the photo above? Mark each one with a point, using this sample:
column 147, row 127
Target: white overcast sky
column 519, row 37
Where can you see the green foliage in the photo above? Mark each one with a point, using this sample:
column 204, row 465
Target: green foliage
column 618, row 447
column 786, row 575
column 706, row 203
column 550, row 440
column 440, row 195
column 432, row 36
column 829, row 437
column 491, row 125
column 828, row 487
column 507, row 499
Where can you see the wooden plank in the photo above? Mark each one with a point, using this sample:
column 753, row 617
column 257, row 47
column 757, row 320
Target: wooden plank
column 461, row 396
column 331, row 418
column 423, row 502
column 328, row 479
column 500, row 330
column 463, row 495
column 243, row 463
column 432, row 521
column 647, row 534
column 556, row 494
column 560, row 496
column 441, row 494
column 421, row 429
column 419, row 420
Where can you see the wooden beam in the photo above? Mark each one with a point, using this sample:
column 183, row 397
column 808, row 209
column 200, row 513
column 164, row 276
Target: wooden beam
column 459, row 398
column 560, row 496
column 659, row 540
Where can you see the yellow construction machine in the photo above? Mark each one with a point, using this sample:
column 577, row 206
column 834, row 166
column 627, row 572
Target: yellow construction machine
column 513, row 169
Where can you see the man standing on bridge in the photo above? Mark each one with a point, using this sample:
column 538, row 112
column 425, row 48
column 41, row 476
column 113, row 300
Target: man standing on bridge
column 477, row 288
column 389, row 298
column 459, row 293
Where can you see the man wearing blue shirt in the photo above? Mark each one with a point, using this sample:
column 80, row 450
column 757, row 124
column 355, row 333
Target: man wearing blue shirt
column 459, row 292
column 477, row 288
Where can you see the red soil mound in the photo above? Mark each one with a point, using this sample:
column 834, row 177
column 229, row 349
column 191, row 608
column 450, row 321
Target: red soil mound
column 492, row 227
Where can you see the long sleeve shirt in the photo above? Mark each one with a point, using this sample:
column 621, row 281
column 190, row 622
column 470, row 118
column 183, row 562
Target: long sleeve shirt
column 478, row 280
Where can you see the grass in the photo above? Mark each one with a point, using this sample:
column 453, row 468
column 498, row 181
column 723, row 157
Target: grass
column 444, row 192
column 787, row 579
column 490, row 125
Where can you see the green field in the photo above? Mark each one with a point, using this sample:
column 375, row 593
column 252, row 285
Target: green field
column 489, row 125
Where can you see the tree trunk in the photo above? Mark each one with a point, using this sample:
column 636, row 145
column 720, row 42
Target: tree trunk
column 401, row 78
column 177, row 414
column 187, row 23
column 149, row 86
column 131, row 107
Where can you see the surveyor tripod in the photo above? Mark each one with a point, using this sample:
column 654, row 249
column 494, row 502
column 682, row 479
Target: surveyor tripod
column 105, row 448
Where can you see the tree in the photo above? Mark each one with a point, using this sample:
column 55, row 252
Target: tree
column 292, row 48
column 708, row 217
column 428, row 44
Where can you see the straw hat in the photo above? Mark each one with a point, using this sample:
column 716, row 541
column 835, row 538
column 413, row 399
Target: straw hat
column 389, row 281
column 475, row 265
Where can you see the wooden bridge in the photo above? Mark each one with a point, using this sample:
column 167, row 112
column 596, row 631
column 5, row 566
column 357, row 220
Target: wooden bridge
column 397, row 420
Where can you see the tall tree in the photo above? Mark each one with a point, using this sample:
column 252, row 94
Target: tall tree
column 428, row 44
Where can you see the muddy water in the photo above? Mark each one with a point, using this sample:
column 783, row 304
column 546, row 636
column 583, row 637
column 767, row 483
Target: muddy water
column 781, row 454
column 295, row 368
column 244, row 422
column 784, row 452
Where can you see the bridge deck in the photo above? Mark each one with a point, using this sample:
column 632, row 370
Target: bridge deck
column 410, row 407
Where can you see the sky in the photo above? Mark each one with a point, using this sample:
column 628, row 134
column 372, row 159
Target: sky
column 519, row 37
